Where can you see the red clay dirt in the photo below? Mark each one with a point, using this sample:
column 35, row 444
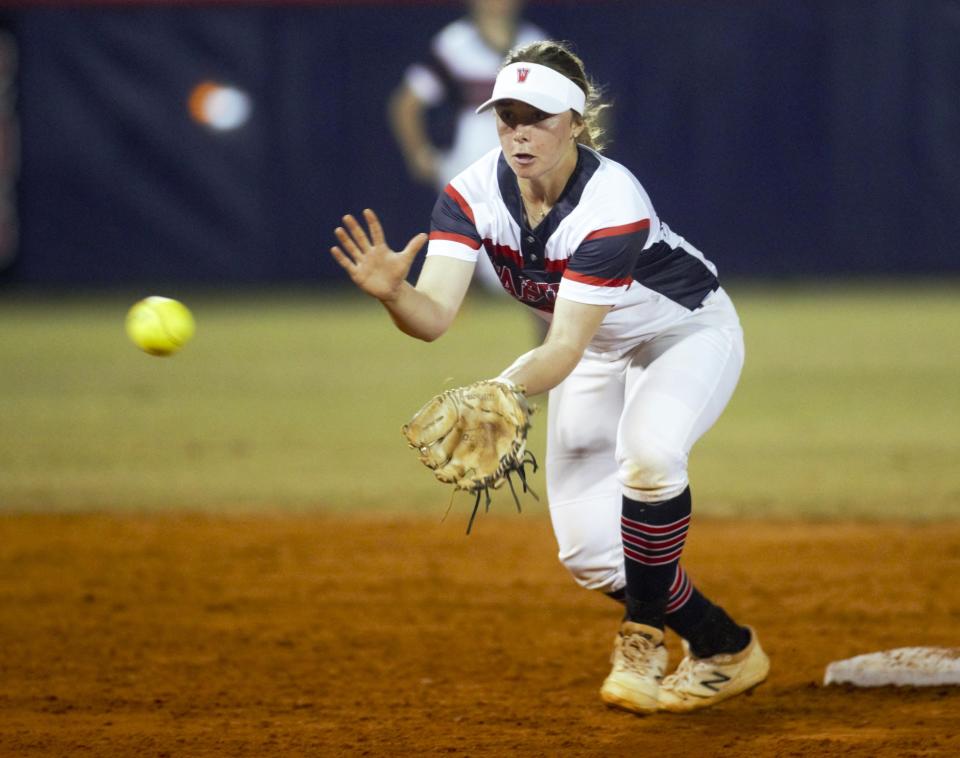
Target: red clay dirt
column 317, row 635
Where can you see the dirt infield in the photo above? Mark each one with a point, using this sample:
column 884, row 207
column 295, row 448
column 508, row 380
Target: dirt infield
column 310, row 635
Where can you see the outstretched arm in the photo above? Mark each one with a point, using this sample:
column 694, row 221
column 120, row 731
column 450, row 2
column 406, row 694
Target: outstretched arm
column 425, row 311
column 544, row 367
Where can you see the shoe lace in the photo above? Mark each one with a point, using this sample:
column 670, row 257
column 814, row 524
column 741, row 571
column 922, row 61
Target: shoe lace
column 685, row 674
column 636, row 650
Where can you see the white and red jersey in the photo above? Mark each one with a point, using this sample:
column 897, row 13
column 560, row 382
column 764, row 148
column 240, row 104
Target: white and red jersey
column 461, row 69
column 601, row 243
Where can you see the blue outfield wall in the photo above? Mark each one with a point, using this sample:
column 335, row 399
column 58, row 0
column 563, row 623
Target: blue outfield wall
column 783, row 138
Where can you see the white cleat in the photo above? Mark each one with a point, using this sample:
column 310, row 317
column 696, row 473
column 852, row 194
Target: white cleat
column 639, row 662
column 702, row 682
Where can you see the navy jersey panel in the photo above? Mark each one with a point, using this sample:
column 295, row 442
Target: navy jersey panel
column 676, row 274
column 452, row 219
column 608, row 257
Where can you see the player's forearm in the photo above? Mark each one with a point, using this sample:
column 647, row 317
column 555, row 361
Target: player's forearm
column 571, row 330
column 543, row 368
column 408, row 124
column 417, row 314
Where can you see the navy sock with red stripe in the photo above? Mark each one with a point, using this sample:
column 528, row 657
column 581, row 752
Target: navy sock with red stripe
column 686, row 606
column 653, row 538
column 658, row 590
column 686, row 609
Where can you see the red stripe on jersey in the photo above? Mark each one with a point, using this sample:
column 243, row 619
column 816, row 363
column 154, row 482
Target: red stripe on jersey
column 464, row 205
column 503, row 251
column 613, row 231
column 451, row 237
column 560, row 265
column 596, row 280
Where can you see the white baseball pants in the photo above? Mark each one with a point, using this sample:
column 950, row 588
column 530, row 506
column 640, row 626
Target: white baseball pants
column 624, row 424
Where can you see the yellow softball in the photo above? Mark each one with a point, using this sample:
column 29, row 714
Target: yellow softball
column 160, row 325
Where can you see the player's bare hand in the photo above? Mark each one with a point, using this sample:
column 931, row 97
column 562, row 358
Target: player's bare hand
column 366, row 257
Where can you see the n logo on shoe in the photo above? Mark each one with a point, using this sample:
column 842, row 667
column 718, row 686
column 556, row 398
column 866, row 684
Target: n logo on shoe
column 711, row 684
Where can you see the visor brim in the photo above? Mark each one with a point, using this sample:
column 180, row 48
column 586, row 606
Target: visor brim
column 538, row 100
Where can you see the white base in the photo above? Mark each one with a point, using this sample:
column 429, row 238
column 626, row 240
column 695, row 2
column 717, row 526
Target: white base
column 905, row 666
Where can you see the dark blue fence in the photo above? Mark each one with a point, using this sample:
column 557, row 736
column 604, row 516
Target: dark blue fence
column 783, row 138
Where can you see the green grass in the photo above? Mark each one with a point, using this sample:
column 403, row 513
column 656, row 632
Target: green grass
column 849, row 404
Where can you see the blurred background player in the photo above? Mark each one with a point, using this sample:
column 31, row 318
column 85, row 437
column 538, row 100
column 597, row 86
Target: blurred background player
column 464, row 59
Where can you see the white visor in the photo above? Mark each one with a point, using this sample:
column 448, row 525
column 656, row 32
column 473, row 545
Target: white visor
column 539, row 86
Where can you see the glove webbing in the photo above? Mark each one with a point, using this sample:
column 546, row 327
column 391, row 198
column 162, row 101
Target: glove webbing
column 521, row 472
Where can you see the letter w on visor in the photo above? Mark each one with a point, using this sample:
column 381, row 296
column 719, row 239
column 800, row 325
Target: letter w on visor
column 536, row 85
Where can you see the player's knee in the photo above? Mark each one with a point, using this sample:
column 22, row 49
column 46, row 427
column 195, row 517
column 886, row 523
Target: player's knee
column 651, row 472
column 591, row 570
column 580, row 436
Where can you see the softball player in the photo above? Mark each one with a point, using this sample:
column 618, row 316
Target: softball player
column 642, row 355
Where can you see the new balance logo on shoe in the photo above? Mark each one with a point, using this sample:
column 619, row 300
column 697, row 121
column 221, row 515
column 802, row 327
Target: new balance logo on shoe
column 712, row 683
column 702, row 682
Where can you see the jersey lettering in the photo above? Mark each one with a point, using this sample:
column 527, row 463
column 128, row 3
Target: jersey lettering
column 540, row 295
column 506, row 279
